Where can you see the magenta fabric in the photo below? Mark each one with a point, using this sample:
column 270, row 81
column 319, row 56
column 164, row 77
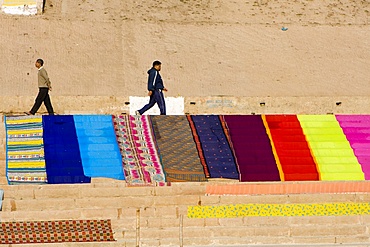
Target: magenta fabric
column 357, row 131
column 252, row 147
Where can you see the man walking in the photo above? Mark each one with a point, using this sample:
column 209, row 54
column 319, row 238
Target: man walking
column 44, row 87
column 155, row 88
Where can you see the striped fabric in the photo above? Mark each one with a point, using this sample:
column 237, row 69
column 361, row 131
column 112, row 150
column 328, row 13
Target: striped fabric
column 141, row 161
column 177, row 148
column 25, row 150
column 193, row 148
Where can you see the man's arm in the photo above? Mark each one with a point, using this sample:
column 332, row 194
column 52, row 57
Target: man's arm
column 44, row 75
column 151, row 80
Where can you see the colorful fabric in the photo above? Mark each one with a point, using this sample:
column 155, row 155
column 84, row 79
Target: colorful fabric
column 177, row 149
column 255, row 210
column 252, row 148
column 141, row 161
column 357, row 131
column 98, row 146
column 215, row 146
column 62, row 153
column 28, row 232
column 25, row 150
column 292, row 150
column 333, row 154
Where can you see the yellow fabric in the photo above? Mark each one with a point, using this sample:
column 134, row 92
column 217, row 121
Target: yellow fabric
column 328, row 146
column 330, row 176
column 18, row 2
column 26, row 153
column 27, row 164
column 255, row 210
column 31, row 142
column 24, row 132
column 24, row 120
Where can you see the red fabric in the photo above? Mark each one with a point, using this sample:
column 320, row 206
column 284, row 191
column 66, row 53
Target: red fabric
column 292, row 148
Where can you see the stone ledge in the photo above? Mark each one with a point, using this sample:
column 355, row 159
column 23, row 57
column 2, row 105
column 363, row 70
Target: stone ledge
column 199, row 105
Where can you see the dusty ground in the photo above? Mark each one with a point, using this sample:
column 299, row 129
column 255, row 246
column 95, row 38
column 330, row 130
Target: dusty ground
column 208, row 48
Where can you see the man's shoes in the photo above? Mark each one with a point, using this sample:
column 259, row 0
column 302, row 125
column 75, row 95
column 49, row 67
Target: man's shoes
column 28, row 113
column 137, row 113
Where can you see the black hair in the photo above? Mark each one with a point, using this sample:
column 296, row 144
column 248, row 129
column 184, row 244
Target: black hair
column 156, row 63
column 40, row 61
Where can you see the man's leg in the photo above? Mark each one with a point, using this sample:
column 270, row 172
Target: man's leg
column 38, row 101
column 48, row 105
column 161, row 103
column 149, row 105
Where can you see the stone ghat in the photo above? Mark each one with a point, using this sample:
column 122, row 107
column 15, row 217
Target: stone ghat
column 321, row 213
column 164, row 216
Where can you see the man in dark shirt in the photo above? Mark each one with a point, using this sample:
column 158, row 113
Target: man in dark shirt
column 155, row 88
column 44, row 87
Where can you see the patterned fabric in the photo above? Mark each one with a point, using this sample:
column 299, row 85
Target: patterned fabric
column 255, row 210
column 215, row 146
column 177, row 148
column 25, row 150
column 56, row 231
column 141, row 162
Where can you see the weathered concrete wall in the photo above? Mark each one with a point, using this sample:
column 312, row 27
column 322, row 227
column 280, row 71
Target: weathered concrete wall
column 104, row 48
column 198, row 105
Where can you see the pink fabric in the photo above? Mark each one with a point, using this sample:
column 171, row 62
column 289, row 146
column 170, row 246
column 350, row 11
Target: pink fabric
column 139, row 151
column 357, row 131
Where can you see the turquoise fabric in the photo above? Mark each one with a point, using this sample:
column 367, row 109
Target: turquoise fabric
column 100, row 154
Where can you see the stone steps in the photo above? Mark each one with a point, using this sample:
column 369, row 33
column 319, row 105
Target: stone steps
column 163, row 214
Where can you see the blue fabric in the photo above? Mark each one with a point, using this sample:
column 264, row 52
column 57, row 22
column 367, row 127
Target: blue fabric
column 62, row 154
column 98, row 146
column 217, row 152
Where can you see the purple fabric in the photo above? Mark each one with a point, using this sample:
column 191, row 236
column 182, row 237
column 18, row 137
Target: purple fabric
column 357, row 131
column 252, row 148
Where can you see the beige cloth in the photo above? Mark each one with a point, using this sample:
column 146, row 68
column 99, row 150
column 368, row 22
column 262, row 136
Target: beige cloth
column 43, row 78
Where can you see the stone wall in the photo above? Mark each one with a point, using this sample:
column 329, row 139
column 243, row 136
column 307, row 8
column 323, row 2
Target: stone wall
column 197, row 105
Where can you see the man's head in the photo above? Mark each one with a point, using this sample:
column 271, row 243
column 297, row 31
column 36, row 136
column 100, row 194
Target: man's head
column 157, row 65
column 39, row 63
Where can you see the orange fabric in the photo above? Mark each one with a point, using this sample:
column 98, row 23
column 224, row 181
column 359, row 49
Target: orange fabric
column 312, row 187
